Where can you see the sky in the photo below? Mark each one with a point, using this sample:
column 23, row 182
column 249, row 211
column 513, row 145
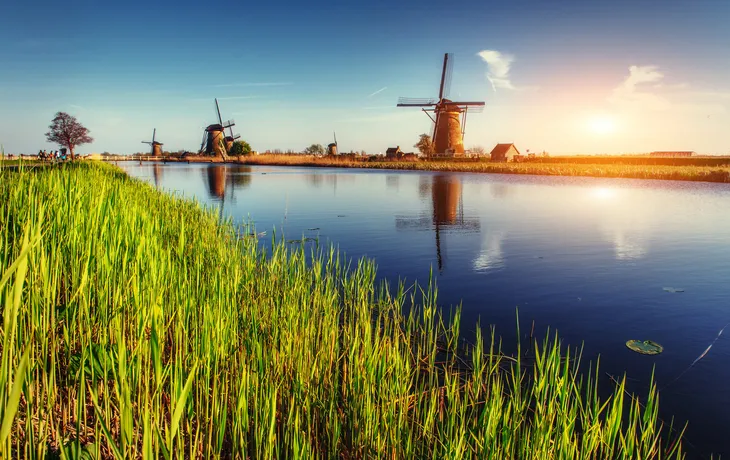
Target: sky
column 566, row 77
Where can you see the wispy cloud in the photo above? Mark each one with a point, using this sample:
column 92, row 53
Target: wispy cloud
column 237, row 97
column 378, row 91
column 633, row 91
column 225, row 98
column 269, row 83
column 498, row 68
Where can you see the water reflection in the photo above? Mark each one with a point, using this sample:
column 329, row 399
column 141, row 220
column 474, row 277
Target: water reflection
column 447, row 211
column 392, row 181
column 499, row 190
column 218, row 176
column 157, row 174
column 628, row 247
column 490, row 256
column 623, row 222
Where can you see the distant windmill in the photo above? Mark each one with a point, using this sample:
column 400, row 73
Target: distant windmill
column 448, row 131
column 156, row 149
column 215, row 142
column 332, row 148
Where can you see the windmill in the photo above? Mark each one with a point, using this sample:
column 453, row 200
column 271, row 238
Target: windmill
column 447, row 211
column 215, row 142
column 448, row 130
column 156, row 149
column 332, row 147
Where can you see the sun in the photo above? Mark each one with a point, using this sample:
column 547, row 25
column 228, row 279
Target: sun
column 602, row 124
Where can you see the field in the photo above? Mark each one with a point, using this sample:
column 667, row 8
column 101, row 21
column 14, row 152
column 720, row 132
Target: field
column 638, row 168
column 135, row 325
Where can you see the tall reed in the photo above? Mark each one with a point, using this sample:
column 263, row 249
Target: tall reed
column 136, row 326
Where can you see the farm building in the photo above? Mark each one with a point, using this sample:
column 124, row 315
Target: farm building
column 394, row 152
column 504, row 152
column 671, row 154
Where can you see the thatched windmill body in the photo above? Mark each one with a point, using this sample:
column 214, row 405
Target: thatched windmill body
column 449, row 120
column 215, row 142
column 155, row 147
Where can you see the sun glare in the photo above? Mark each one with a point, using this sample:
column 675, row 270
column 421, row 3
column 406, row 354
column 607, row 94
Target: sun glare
column 602, row 124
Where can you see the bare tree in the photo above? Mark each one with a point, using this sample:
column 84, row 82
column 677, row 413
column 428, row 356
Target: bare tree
column 66, row 131
column 314, row 149
column 425, row 145
column 478, row 150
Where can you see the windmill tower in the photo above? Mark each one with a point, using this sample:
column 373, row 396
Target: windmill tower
column 215, row 142
column 449, row 120
column 332, row 147
column 156, row 147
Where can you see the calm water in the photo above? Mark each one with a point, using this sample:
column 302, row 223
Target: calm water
column 588, row 257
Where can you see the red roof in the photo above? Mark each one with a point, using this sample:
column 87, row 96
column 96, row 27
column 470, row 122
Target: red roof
column 502, row 149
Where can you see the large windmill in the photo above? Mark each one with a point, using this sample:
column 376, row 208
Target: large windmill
column 447, row 211
column 215, row 142
column 448, row 129
column 155, row 147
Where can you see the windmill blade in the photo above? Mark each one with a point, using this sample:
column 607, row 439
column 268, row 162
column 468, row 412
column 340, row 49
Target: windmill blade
column 443, row 76
column 449, row 71
column 415, row 101
column 335, row 135
column 472, row 108
column 147, row 142
column 228, row 124
column 218, row 111
column 237, row 136
column 202, row 144
column 469, row 103
column 154, row 131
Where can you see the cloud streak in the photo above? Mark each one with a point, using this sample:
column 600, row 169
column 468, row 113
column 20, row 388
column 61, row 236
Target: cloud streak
column 498, row 68
column 225, row 98
column 377, row 92
column 270, row 83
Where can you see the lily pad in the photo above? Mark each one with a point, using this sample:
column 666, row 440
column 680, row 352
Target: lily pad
column 671, row 289
column 645, row 347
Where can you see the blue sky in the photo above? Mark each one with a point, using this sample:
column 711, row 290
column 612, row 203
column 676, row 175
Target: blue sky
column 561, row 76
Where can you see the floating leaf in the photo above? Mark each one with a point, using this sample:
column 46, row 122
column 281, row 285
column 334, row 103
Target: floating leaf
column 646, row 347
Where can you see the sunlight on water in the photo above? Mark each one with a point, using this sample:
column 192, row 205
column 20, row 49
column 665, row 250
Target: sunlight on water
column 603, row 193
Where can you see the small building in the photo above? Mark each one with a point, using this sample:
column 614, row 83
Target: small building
column 332, row 149
column 504, row 152
column 394, row 152
column 668, row 154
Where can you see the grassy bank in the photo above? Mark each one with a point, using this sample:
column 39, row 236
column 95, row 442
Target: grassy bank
column 634, row 171
column 134, row 325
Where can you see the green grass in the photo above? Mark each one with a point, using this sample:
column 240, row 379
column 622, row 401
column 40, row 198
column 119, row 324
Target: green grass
column 561, row 166
column 135, row 325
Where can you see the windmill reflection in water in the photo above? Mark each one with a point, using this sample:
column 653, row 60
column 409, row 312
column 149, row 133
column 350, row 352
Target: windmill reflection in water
column 447, row 211
column 218, row 176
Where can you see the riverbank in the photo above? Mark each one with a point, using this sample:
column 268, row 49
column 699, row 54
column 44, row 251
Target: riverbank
column 146, row 328
column 628, row 171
